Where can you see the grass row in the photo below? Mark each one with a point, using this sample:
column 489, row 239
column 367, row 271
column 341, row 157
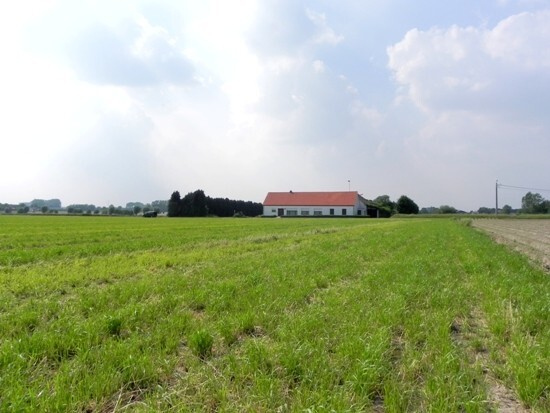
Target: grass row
column 264, row 315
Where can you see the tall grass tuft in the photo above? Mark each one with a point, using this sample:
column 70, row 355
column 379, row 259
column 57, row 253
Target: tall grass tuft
column 114, row 326
column 201, row 343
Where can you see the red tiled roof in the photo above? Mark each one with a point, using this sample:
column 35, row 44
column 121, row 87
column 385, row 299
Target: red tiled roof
column 311, row 198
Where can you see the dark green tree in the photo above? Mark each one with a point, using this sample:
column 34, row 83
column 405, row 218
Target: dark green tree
column 174, row 206
column 446, row 209
column 194, row 204
column 186, row 205
column 534, row 204
column 406, row 205
column 387, row 207
column 507, row 209
column 198, row 204
column 44, row 209
column 224, row 207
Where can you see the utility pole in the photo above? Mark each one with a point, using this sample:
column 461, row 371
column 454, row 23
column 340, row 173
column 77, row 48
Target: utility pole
column 496, row 198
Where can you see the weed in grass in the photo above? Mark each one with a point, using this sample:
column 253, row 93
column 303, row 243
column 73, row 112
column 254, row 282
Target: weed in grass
column 293, row 364
column 321, row 283
column 229, row 335
column 258, row 357
column 247, row 324
column 201, row 343
column 114, row 326
column 197, row 306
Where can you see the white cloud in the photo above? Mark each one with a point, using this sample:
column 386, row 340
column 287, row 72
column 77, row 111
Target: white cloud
column 318, row 66
column 476, row 69
column 484, row 94
column 522, row 40
column 138, row 55
column 325, row 33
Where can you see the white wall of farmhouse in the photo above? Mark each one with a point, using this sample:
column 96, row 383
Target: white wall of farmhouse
column 307, row 210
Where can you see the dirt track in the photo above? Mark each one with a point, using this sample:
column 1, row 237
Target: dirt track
column 529, row 236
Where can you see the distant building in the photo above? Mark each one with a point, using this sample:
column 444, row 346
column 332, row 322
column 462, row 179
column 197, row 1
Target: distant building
column 289, row 204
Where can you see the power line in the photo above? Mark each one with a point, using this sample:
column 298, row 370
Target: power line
column 522, row 187
column 497, row 186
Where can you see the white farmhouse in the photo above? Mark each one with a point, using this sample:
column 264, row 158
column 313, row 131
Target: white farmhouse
column 315, row 204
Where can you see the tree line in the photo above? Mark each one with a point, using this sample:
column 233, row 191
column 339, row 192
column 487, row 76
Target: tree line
column 387, row 207
column 197, row 204
column 53, row 206
column 531, row 203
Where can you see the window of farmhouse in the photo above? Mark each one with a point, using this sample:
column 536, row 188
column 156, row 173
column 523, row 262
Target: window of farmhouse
column 291, row 212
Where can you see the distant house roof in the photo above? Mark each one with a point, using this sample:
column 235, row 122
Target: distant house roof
column 311, row 198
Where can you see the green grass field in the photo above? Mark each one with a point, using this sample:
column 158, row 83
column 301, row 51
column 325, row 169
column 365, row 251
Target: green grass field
column 118, row 314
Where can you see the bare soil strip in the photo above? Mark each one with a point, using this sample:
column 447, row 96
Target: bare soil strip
column 471, row 335
column 528, row 236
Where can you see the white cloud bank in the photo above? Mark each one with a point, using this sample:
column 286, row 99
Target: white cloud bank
column 484, row 94
column 113, row 102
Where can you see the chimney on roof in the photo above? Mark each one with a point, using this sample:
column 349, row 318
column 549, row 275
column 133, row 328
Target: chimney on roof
column 291, row 191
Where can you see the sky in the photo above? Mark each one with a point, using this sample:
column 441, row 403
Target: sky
column 108, row 102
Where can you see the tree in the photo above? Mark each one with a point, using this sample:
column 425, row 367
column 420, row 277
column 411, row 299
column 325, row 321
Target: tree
column 446, row 209
column 50, row 203
column 406, row 205
column 534, row 204
column 193, row 204
column 507, row 209
column 387, row 207
column 131, row 205
column 137, row 209
column 174, row 204
column 224, row 207
column 160, row 206
column 198, row 204
column 44, row 209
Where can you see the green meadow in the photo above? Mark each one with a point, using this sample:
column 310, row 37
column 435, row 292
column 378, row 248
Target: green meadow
column 250, row 315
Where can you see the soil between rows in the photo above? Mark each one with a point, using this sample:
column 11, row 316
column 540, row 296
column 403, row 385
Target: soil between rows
column 528, row 236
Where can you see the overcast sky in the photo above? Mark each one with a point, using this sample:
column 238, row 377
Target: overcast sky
column 107, row 102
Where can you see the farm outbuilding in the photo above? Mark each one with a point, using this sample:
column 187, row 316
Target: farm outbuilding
column 288, row 204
